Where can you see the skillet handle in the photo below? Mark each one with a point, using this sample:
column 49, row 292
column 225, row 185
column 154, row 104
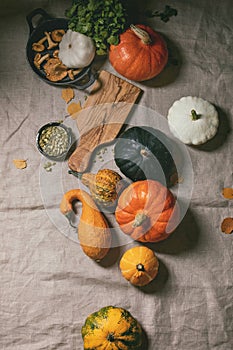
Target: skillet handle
column 89, row 78
column 35, row 12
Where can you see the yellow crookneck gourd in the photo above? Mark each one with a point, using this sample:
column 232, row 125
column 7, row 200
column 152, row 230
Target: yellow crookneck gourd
column 93, row 231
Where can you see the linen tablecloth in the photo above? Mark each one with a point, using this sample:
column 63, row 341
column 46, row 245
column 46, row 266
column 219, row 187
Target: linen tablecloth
column 48, row 286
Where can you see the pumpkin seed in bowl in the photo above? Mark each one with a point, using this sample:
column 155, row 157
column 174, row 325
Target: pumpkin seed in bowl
column 54, row 141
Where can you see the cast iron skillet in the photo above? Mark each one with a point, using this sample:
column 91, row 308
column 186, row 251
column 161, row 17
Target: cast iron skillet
column 84, row 79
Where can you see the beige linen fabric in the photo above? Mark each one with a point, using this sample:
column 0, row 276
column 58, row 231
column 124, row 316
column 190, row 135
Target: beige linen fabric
column 48, row 286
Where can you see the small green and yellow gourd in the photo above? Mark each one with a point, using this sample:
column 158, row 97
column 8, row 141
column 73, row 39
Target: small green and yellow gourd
column 112, row 328
column 104, row 186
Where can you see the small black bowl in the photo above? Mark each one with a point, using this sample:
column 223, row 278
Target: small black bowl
column 64, row 154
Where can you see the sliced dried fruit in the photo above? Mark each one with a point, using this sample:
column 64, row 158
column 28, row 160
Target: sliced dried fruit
column 57, row 34
column 20, row 163
column 227, row 225
column 55, row 70
column 73, row 109
column 39, row 47
column 51, row 44
column 55, row 53
column 72, row 73
column 67, row 94
column 38, row 59
column 227, row 192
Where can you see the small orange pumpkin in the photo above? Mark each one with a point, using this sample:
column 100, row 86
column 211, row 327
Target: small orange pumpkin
column 141, row 53
column 139, row 265
column 147, row 211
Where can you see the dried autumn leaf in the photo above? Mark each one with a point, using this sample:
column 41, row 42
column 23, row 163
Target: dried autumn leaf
column 227, row 225
column 20, row 163
column 67, row 94
column 74, row 108
column 175, row 179
column 227, row 193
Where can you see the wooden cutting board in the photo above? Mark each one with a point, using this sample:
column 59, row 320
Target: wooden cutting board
column 104, row 113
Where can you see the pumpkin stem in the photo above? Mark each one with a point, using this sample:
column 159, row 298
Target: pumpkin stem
column 144, row 152
column 142, row 34
column 140, row 267
column 75, row 173
column 110, row 337
column 139, row 219
column 194, row 115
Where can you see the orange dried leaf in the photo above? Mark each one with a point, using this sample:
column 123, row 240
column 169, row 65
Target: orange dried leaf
column 227, row 193
column 175, row 179
column 67, row 94
column 227, row 225
column 20, row 163
column 73, row 109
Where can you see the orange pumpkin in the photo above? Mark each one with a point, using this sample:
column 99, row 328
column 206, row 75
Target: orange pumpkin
column 139, row 265
column 141, row 53
column 147, row 211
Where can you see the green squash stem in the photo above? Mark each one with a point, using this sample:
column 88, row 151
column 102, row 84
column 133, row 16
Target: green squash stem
column 194, row 115
column 141, row 34
column 139, row 219
column 75, row 173
column 110, row 337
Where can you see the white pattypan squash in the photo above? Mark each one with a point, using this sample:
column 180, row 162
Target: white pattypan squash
column 193, row 120
column 76, row 50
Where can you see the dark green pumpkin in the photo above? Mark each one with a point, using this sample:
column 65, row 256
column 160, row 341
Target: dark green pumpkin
column 142, row 153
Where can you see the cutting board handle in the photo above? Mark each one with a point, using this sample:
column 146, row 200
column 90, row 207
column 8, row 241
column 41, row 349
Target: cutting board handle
column 102, row 117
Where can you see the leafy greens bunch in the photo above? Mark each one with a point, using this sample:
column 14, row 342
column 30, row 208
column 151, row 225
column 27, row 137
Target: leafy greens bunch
column 102, row 20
